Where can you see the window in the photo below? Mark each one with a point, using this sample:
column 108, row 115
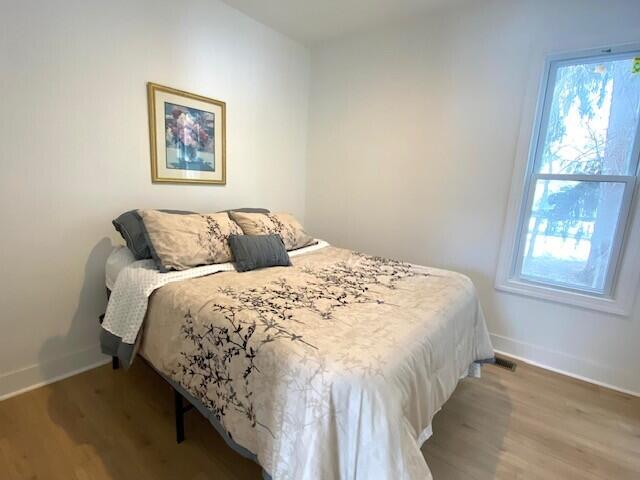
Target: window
column 577, row 195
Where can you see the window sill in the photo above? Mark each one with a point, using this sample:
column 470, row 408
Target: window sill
column 577, row 299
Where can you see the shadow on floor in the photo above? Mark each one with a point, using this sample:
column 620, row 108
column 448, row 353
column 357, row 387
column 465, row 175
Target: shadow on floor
column 469, row 431
column 124, row 421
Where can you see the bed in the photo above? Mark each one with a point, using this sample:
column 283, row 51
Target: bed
column 332, row 368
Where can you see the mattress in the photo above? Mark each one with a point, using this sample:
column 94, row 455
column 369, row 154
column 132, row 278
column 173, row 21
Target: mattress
column 332, row 368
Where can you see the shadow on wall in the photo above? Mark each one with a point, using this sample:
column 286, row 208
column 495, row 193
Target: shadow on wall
column 488, row 299
column 55, row 358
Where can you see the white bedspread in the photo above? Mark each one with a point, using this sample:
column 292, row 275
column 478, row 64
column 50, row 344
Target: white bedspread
column 330, row 369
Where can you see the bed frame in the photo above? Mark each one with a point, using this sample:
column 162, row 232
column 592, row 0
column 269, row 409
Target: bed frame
column 181, row 404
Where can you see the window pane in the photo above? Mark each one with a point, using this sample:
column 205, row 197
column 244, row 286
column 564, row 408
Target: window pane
column 570, row 233
column 592, row 119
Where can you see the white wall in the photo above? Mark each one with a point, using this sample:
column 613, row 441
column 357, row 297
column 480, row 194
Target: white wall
column 75, row 150
column 412, row 142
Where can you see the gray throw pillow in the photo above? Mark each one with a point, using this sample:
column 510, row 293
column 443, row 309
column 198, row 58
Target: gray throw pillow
column 131, row 227
column 258, row 251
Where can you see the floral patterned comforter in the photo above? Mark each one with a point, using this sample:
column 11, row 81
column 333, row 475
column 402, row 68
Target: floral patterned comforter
column 328, row 369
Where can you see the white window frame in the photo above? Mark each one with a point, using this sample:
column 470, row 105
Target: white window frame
column 624, row 274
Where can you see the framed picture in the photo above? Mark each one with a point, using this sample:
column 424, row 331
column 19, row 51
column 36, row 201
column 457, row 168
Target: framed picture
column 187, row 134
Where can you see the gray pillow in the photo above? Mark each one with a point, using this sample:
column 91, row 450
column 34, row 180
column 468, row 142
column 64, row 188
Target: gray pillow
column 246, row 210
column 258, row 251
column 131, row 227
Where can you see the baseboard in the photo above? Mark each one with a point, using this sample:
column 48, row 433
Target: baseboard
column 29, row 378
column 561, row 363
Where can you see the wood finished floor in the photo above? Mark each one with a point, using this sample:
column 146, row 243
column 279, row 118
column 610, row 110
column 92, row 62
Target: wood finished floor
column 531, row 424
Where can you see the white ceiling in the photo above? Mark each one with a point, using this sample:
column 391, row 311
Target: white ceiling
column 313, row 21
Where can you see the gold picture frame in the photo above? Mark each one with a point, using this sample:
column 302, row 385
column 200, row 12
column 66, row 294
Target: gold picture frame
column 187, row 134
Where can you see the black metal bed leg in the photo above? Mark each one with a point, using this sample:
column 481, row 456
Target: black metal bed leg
column 115, row 363
column 179, row 410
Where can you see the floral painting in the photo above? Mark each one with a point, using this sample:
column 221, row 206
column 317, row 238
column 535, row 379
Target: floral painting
column 189, row 138
column 187, row 135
